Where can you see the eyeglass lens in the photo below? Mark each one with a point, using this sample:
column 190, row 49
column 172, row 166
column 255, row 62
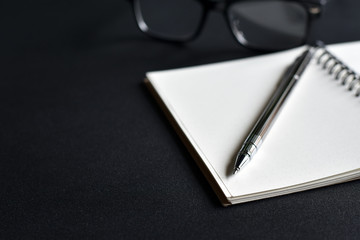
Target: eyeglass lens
column 266, row 25
column 170, row 19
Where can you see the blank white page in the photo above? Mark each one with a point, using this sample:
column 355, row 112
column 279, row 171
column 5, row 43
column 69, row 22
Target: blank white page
column 216, row 105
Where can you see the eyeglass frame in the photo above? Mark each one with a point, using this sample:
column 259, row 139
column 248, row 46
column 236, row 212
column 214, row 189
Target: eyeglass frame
column 313, row 8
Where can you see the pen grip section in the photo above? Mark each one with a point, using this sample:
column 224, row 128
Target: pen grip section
column 251, row 145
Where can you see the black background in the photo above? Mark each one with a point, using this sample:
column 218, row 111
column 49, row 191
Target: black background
column 86, row 153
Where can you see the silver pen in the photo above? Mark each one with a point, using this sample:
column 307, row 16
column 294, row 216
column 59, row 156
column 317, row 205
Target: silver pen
column 267, row 117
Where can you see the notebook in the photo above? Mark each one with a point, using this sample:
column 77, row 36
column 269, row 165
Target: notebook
column 313, row 142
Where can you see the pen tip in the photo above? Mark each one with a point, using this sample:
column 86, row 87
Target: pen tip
column 241, row 161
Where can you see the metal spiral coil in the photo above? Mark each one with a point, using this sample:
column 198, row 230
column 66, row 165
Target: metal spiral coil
column 339, row 70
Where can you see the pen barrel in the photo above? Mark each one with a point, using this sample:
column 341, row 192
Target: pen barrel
column 267, row 118
column 269, row 114
column 276, row 102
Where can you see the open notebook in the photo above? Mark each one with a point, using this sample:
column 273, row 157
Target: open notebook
column 313, row 143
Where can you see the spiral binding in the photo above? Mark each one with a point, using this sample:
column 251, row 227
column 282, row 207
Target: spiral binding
column 339, row 70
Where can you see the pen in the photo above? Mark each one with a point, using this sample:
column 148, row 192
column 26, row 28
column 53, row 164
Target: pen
column 267, row 117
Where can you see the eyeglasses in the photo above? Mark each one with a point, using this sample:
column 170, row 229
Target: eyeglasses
column 267, row 25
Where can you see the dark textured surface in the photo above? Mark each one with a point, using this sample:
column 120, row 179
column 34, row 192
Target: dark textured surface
column 86, row 153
